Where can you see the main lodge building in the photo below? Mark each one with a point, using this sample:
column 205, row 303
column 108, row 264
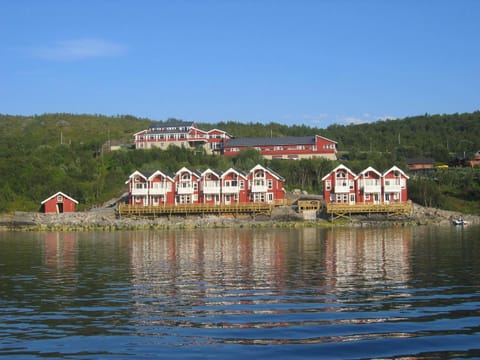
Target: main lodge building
column 215, row 141
column 186, row 134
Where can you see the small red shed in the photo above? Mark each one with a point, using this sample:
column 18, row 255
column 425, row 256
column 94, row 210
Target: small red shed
column 59, row 203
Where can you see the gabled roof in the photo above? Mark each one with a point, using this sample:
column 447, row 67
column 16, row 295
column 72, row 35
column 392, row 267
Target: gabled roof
column 339, row 167
column 367, row 170
column 395, row 168
column 266, row 141
column 215, row 172
column 236, row 171
column 218, row 130
column 59, row 193
column 158, row 172
column 161, row 124
column 275, row 174
column 137, row 173
column 193, row 172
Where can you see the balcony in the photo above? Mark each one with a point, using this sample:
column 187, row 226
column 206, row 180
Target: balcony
column 259, row 188
column 139, row 192
column 341, row 187
column 392, row 188
column 185, row 188
column 159, row 191
column 230, row 189
column 211, row 187
column 372, row 189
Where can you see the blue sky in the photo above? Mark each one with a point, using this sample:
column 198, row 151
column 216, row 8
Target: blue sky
column 312, row 62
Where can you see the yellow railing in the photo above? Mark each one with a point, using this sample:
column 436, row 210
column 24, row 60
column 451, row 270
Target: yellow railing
column 185, row 209
column 403, row 208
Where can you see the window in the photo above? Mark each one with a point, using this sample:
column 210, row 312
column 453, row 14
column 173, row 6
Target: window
column 242, row 184
column 270, row 197
column 328, row 185
column 59, row 198
column 367, row 196
column 270, row 184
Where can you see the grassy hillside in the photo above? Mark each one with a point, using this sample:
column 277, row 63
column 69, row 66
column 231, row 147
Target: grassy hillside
column 40, row 155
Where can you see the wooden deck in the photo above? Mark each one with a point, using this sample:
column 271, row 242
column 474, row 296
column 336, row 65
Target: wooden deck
column 195, row 209
column 390, row 210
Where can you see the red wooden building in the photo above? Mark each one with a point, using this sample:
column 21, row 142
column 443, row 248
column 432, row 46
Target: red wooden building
column 180, row 133
column 210, row 187
column 394, row 185
column 59, row 203
column 339, row 186
column 289, row 147
column 161, row 189
column 234, row 187
column 343, row 186
column 187, row 186
column 368, row 185
column 265, row 185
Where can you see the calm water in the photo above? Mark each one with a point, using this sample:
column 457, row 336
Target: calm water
column 342, row 293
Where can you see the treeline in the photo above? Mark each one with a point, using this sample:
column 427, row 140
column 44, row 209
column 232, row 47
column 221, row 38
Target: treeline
column 40, row 155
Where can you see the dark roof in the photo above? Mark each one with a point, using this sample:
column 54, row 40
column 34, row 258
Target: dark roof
column 161, row 124
column 275, row 173
column 420, row 160
column 287, row 140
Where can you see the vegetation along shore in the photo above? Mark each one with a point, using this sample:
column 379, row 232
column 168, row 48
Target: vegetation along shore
column 43, row 154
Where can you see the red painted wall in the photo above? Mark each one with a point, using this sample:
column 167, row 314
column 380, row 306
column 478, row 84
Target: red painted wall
column 51, row 206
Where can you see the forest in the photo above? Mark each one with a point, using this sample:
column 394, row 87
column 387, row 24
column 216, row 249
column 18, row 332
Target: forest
column 43, row 154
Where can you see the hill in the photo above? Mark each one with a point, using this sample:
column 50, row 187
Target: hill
column 42, row 154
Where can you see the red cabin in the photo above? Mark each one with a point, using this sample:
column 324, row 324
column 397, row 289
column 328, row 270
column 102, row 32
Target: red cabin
column 161, row 189
column 265, row 185
column 187, row 190
column 59, row 203
column 210, row 187
column 395, row 185
column 234, row 187
column 339, row 186
column 368, row 185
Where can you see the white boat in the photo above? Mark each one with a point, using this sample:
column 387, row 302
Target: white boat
column 460, row 222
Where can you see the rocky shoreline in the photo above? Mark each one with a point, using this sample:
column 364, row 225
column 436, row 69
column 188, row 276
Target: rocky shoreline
column 106, row 219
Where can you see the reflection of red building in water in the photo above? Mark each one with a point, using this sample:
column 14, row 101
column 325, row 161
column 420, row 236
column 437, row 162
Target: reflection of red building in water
column 60, row 250
column 371, row 255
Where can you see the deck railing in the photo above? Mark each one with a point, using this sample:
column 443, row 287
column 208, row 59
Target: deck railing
column 186, row 209
column 393, row 208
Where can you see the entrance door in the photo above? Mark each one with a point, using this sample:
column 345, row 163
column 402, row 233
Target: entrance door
column 59, row 207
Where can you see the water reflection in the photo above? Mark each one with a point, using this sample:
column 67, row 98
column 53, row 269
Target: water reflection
column 344, row 292
column 344, row 259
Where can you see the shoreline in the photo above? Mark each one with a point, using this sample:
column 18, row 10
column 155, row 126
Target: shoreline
column 105, row 219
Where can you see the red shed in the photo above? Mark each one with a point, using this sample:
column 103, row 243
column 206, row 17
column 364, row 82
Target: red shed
column 59, row 203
